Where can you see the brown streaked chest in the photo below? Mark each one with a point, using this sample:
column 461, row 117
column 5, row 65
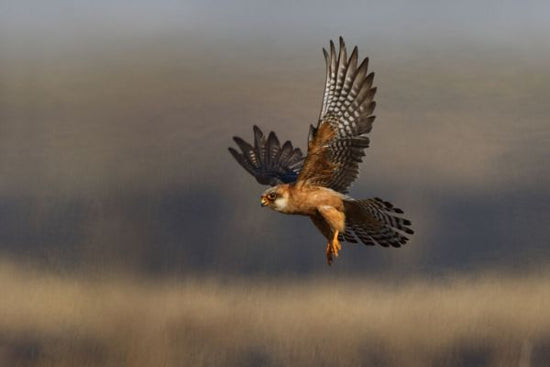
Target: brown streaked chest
column 305, row 200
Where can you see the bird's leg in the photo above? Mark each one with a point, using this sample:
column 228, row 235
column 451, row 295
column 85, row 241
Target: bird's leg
column 329, row 254
column 336, row 247
column 332, row 248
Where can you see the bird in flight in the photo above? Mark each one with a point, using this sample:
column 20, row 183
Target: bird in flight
column 316, row 186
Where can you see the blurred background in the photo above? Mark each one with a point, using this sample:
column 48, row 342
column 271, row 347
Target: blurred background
column 130, row 237
column 115, row 118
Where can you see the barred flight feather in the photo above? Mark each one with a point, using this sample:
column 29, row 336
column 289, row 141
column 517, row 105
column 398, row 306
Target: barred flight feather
column 347, row 107
column 267, row 161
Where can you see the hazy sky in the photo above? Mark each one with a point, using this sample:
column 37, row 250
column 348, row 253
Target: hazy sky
column 286, row 23
column 479, row 19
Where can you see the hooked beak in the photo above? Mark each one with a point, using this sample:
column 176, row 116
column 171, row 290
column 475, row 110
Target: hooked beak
column 263, row 201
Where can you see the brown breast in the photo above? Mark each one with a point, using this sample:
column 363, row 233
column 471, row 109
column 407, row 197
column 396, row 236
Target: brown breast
column 305, row 199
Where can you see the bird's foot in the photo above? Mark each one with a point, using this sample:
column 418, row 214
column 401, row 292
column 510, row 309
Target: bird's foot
column 330, row 257
column 333, row 248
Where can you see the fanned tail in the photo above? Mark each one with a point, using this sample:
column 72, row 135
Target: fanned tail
column 375, row 221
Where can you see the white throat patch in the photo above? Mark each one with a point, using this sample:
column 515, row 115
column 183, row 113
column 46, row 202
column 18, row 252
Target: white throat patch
column 280, row 203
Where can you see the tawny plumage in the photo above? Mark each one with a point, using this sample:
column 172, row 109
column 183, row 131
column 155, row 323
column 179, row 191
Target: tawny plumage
column 317, row 185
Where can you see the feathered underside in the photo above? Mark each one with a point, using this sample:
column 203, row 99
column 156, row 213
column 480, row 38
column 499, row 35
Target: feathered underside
column 268, row 161
column 336, row 145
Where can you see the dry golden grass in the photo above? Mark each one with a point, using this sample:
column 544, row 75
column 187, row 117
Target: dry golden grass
column 490, row 320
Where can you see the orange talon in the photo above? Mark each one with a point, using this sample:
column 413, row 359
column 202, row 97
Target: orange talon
column 333, row 248
column 329, row 254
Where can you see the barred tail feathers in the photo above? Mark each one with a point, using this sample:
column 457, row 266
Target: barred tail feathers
column 375, row 221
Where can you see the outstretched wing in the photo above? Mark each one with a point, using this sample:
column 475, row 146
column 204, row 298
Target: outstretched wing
column 267, row 161
column 336, row 146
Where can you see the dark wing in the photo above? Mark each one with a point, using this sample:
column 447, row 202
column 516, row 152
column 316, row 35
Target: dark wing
column 270, row 163
column 336, row 146
column 375, row 221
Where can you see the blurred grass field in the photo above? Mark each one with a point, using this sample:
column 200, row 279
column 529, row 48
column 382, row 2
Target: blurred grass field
column 483, row 320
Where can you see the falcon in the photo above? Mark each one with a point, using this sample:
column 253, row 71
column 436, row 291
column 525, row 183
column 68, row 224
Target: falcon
column 316, row 185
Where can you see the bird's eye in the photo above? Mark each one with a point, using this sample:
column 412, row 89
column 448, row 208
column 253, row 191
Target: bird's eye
column 272, row 196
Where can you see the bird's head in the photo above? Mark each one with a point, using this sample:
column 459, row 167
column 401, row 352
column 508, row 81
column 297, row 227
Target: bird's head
column 276, row 197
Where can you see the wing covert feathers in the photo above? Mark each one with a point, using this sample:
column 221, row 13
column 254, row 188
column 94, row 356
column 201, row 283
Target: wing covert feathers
column 268, row 161
column 347, row 112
